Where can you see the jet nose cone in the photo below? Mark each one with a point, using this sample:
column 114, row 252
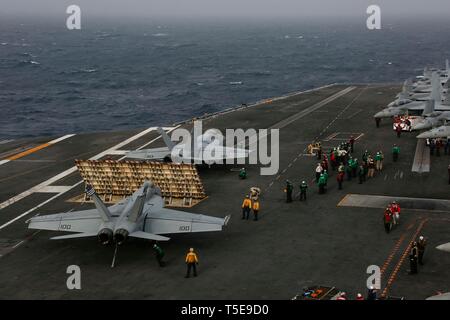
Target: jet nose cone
column 380, row 114
column 424, row 135
column 444, row 247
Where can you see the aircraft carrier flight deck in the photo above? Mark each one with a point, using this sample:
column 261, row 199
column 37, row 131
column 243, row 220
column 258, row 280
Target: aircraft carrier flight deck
column 328, row 240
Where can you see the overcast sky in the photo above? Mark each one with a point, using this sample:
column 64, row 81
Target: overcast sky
column 227, row 8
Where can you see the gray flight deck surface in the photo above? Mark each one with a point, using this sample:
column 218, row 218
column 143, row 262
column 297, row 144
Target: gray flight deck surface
column 329, row 240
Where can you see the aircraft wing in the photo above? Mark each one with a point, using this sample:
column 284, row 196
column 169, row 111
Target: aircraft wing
column 86, row 222
column 149, row 154
column 165, row 221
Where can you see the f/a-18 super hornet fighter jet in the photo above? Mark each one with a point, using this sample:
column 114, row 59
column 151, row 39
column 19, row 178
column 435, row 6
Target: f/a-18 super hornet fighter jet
column 425, row 79
column 141, row 215
column 441, row 103
column 432, row 119
column 413, row 92
column 438, row 132
column 203, row 150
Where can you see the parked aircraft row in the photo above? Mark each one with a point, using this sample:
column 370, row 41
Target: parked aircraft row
column 428, row 94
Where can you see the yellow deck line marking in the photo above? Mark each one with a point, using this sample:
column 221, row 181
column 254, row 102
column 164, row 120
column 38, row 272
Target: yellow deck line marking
column 29, row 151
column 35, row 149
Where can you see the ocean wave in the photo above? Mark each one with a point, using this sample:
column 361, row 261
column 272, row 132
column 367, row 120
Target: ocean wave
column 74, row 98
column 160, row 34
column 73, row 91
column 28, row 62
column 27, row 54
column 85, row 70
column 88, row 70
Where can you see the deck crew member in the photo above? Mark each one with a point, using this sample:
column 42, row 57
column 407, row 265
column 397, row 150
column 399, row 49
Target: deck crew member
column 319, row 170
column 288, row 190
column 370, row 166
column 413, row 258
column 321, row 184
column 432, row 146
column 352, row 143
column 246, row 207
column 398, row 129
column 325, row 175
column 387, row 219
column 379, row 161
column 243, row 174
column 421, row 244
column 354, row 167
column 255, row 207
column 303, row 188
column 371, row 293
column 395, row 209
column 159, row 254
column 191, row 262
column 361, row 174
column 395, row 152
column 377, row 122
column 438, row 147
column 340, row 176
column 342, row 296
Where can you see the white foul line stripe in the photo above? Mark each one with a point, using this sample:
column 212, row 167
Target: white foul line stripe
column 61, row 139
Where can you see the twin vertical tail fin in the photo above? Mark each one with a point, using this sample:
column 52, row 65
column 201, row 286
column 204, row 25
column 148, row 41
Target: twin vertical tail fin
column 436, row 89
column 103, row 211
column 138, row 205
column 407, row 87
column 169, row 143
column 429, row 107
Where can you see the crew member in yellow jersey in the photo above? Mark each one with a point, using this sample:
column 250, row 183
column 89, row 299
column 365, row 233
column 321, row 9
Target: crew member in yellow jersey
column 191, row 262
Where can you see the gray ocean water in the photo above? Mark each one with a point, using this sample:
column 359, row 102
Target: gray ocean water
column 115, row 75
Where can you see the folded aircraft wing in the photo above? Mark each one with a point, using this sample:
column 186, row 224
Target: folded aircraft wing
column 166, row 221
column 149, row 154
column 86, row 221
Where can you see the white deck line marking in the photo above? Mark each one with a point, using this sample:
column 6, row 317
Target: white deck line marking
column 18, row 244
column 54, row 189
column 119, row 152
column 3, row 162
column 61, row 139
column 71, row 170
column 287, row 121
column 80, row 182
